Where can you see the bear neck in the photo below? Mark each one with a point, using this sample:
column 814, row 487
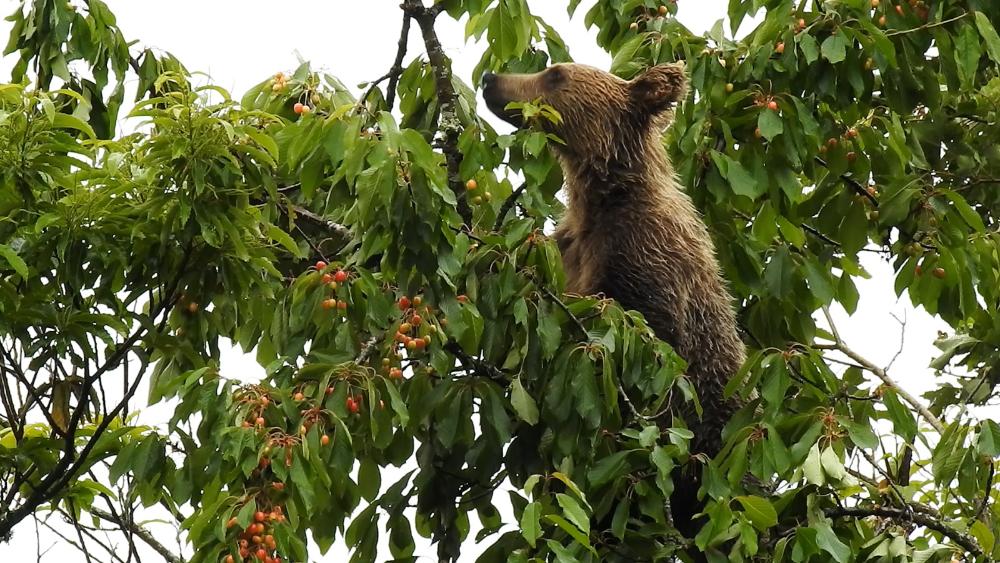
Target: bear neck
column 622, row 174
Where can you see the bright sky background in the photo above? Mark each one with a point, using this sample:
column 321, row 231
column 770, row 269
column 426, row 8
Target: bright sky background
column 240, row 43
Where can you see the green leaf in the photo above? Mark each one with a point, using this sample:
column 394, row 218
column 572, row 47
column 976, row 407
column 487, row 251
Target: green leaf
column 983, row 535
column 812, row 468
column 522, row 402
column 809, row 47
column 968, row 51
column 741, row 181
column 988, row 443
column 990, row 37
column 282, row 238
column 828, row 541
column 14, row 260
column 834, row 48
column 760, row 512
column 570, row 529
column 66, row 121
column 608, row 468
column 574, row 513
column 531, row 527
column 770, row 124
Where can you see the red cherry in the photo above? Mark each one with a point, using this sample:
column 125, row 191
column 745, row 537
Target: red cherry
column 342, row 305
column 416, row 320
column 298, row 107
column 329, row 304
column 321, row 265
column 340, row 276
column 261, row 554
column 772, row 105
column 352, row 405
column 299, row 397
column 404, row 303
column 324, row 440
column 259, row 516
column 260, row 421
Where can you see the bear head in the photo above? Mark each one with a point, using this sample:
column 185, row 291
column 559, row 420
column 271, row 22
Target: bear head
column 605, row 120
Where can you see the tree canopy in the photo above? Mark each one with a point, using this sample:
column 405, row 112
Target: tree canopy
column 384, row 257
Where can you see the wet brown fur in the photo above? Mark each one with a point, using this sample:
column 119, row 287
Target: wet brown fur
column 629, row 231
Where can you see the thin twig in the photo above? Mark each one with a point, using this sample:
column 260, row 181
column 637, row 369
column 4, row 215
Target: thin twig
column 853, row 183
column 142, row 533
column 508, row 204
column 902, row 339
column 926, row 25
column 841, row 347
column 394, row 71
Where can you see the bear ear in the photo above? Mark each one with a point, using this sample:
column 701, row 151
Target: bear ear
column 659, row 87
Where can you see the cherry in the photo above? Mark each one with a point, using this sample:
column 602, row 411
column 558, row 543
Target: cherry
column 299, row 397
column 772, row 105
column 340, row 276
column 321, row 265
column 780, row 47
column 324, row 440
column 404, row 303
column 298, row 107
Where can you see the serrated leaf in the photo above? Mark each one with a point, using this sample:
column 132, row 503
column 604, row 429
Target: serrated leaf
column 574, row 513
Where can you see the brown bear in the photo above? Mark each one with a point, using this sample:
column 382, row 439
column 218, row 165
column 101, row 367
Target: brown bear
column 629, row 230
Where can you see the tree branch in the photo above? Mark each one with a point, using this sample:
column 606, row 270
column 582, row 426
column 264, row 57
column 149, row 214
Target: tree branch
column 142, row 533
column 395, row 70
column 508, row 204
column 841, row 347
column 853, row 183
column 967, row 542
column 449, row 125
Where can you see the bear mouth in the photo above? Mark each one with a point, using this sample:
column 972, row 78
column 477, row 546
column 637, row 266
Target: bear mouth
column 497, row 104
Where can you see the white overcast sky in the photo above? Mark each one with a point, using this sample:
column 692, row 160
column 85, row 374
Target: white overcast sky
column 240, row 43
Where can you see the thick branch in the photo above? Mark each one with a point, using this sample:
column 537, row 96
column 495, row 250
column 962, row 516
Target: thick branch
column 336, row 228
column 449, row 125
column 139, row 531
column 967, row 542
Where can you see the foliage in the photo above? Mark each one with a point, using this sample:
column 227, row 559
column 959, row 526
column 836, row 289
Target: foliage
column 406, row 304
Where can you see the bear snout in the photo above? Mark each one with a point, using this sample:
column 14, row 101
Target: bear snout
column 497, row 102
